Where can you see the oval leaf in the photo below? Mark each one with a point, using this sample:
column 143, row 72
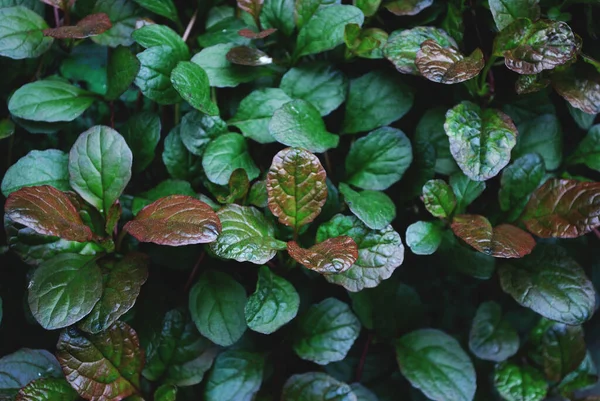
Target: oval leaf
column 91, row 25
column 439, row 198
column 519, row 383
column 47, row 389
column 563, row 209
column 244, row 55
column 104, row 366
column 191, row 81
column 332, row 256
column 423, row 237
column 21, row 34
column 175, row 220
column 447, row 65
column 236, row 375
column 580, row 91
column 224, row 155
column 374, row 208
column 296, row 187
column 313, row 386
column 48, row 211
column 480, row 140
column 563, row 350
column 492, row 338
column 46, row 167
column 26, row 365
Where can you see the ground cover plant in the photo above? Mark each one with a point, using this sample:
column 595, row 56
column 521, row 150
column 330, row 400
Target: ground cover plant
column 300, row 200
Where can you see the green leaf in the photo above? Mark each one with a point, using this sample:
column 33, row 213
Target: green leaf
column 49, row 101
column 319, row 83
column 177, row 354
column 563, row 209
column 299, row 124
column 583, row 119
column 224, row 31
column 447, row 65
column 463, row 259
column 588, row 150
column 165, row 188
column 453, row 21
column 506, row 12
column 26, row 365
column 402, row 46
column 563, row 350
column 64, row 290
column 257, row 195
column 326, row 332
column 274, row 303
column 368, row 7
column 407, row 7
column 380, row 252
column 316, row 386
column 430, row 130
column 362, row 393
column 48, row 389
column 531, row 47
column 373, row 208
column 439, row 198
column 100, row 166
column 247, row 236
column 304, row 10
column 519, row 383
column 423, row 237
column 492, row 338
column 217, row 306
column 157, row 35
column 7, row 128
column 278, row 14
column 584, row 376
column 550, row 283
column 325, row 29
column 165, row 8
column 46, row 167
column 480, row 140
column 542, row 135
column 227, row 153
column 198, row 129
column 518, row 181
column 332, row 256
column 180, row 163
column 296, row 187
column 122, row 281
column 530, row 83
column 236, row 375
column 378, row 160
column 123, row 14
column 365, row 43
column 166, row 392
column 142, row 133
column 255, row 112
column 21, row 33
column 34, row 5
column 121, row 71
column 103, row 365
column 465, row 190
column 435, row 363
column 221, row 73
column 191, row 82
column 154, row 76
column 376, row 99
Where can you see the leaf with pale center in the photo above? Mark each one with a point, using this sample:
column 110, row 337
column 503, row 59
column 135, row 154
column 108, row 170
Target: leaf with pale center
column 447, row 65
column 439, row 198
column 332, row 256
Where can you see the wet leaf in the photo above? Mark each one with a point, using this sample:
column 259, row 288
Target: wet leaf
column 447, row 65
column 332, row 256
column 91, row 25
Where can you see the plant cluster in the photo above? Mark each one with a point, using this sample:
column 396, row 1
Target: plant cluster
column 300, row 200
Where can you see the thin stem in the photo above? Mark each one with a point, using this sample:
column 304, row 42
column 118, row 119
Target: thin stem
column 119, row 241
column 56, row 18
column 363, row 357
column 190, row 279
column 485, row 71
column 189, row 27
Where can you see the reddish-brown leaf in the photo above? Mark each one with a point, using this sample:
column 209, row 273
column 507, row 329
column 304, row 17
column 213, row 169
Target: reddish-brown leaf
column 112, row 217
column 244, row 55
column 175, row 220
column 447, row 65
column 563, row 209
column 252, row 7
column 92, row 25
column 503, row 241
column 250, row 34
column 332, row 256
column 48, row 211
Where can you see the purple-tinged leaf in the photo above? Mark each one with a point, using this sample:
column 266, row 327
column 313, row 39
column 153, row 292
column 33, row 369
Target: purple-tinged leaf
column 244, row 55
column 447, row 65
column 332, row 256
column 250, row 34
column 91, row 25
column 580, row 91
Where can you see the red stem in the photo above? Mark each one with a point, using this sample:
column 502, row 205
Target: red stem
column 363, row 357
column 190, row 280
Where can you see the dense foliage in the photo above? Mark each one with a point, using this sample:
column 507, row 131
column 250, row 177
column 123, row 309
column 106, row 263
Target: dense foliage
column 300, row 200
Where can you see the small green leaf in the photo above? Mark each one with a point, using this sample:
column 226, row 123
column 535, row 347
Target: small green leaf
column 465, row 190
column 316, row 386
column 177, row 354
column 319, row 83
column 588, row 150
column 157, row 35
column 21, row 33
column 217, row 306
column 224, row 155
column 365, row 43
column 332, row 256
column 304, row 10
column 49, row 101
column 255, row 112
column 530, row 83
column 541, row 135
column 122, row 281
column 278, row 14
column 274, row 303
column 423, row 237
column 24, row 366
column 236, row 375
column 104, row 365
column 299, row 124
column 325, row 29
column 518, row 181
column 191, row 82
column 121, row 71
column 7, row 128
column 480, row 140
column 46, row 167
column 165, row 8
column 296, row 187
column 142, row 133
column 378, row 160
column 435, row 363
column 402, row 46
column 224, row 31
column 506, row 12
column 447, row 65
column 48, row 389
column 100, row 166
column 380, row 252
column 519, row 383
column 407, row 7
column 439, row 198
column 326, row 332
column 368, row 7
column 563, row 350
column 166, row 392
column 373, row 208
column 550, row 283
column 492, row 338
column 258, row 194
column 123, row 14
column 583, row 119
column 376, row 99
column 180, row 163
column 198, row 129
column 154, row 76
column 430, row 131
column 247, row 236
